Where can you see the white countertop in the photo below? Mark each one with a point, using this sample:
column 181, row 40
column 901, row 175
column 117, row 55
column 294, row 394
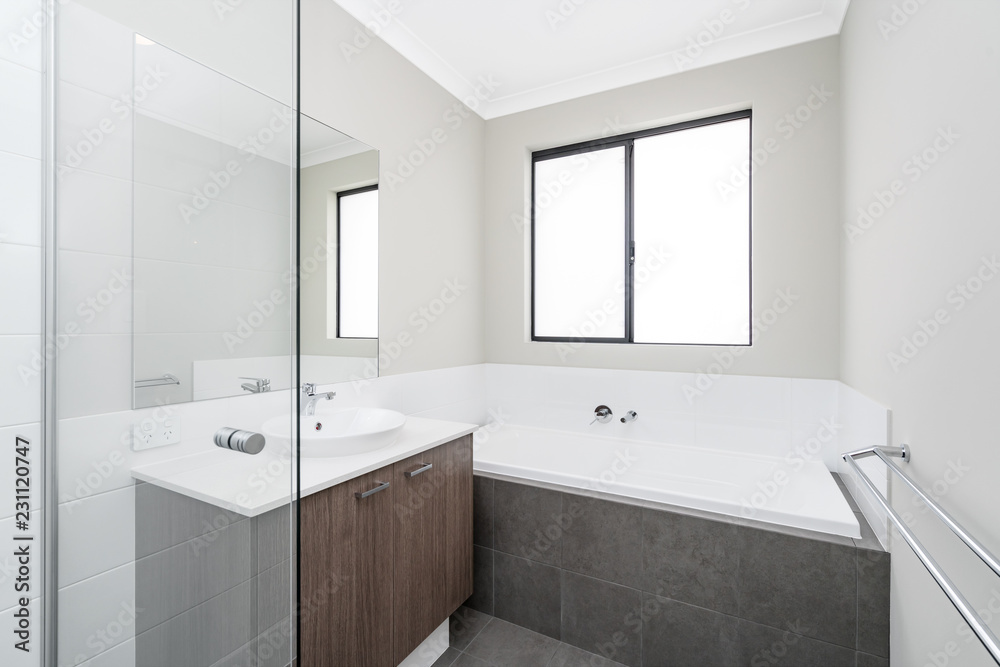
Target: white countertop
column 252, row 485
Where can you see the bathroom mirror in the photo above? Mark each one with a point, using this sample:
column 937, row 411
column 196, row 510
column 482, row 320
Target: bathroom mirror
column 213, row 164
column 338, row 250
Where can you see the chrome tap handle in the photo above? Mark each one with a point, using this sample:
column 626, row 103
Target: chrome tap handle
column 630, row 416
column 602, row 413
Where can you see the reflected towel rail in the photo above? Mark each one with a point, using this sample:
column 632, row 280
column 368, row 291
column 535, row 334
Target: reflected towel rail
column 157, row 382
column 983, row 632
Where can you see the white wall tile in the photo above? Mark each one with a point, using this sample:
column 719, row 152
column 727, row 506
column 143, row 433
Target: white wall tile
column 749, row 397
column 22, row 24
column 21, row 194
column 96, row 534
column 21, row 296
column 95, row 53
column 95, row 375
column 95, row 292
column 96, row 614
column 21, row 111
column 94, row 132
column 20, row 391
column 759, row 436
column 95, row 213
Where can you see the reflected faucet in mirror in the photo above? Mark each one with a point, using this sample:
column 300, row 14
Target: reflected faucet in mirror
column 257, row 385
column 310, row 398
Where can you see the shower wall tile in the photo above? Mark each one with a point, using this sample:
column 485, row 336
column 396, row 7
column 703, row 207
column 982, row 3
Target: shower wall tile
column 21, row 193
column 95, row 53
column 95, row 292
column 20, row 392
column 97, row 614
column 20, row 114
column 99, row 532
column 166, row 519
column 95, row 375
column 121, row 655
column 23, row 45
column 95, row 131
column 95, row 213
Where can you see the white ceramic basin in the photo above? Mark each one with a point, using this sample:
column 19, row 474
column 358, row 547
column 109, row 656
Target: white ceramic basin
column 341, row 433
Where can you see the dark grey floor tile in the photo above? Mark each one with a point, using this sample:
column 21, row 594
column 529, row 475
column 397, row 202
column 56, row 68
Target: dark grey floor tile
column 868, row 539
column 789, row 580
column 762, row 645
column 604, row 539
column 466, row 660
column 528, row 521
column 571, row 656
column 873, row 602
column 178, row 578
column 482, row 580
column 675, row 634
column 527, row 593
column 447, row 658
column 482, row 511
column 601, row 617
column 464, row 625
column 866, row 660
column 503, row 644
column 691, row 559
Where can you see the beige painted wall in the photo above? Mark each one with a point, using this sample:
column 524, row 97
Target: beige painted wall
column 430, row 229
column 318, row 186
column 795, row 209
column 903, row 90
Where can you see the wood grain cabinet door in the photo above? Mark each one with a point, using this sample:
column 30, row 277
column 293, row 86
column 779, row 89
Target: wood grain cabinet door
column 347, row 574
column 419, row 529
column 458, row 522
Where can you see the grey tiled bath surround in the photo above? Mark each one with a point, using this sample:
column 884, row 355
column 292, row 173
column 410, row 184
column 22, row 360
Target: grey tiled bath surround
column 212, row 587
column 649, row 587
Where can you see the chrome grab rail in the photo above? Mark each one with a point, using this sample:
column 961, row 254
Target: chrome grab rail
column 983, row 632
column 157, row 382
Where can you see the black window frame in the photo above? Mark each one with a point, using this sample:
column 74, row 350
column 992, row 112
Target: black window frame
column 340, row 196
column 628, row 142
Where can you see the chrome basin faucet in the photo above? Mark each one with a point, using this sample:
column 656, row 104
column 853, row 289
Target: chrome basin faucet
column 309, row 398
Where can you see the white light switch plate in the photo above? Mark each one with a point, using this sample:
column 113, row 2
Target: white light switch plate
column 151, row 433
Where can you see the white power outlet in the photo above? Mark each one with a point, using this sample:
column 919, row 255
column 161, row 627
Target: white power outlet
column 151, row 433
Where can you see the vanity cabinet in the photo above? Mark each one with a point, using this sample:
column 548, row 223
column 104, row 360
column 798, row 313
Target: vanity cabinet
column 381, row 572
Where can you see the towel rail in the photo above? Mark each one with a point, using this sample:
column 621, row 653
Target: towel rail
column 982, row 631
column 157, row 382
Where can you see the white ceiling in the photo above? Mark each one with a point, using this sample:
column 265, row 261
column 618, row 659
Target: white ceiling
column 546, row 51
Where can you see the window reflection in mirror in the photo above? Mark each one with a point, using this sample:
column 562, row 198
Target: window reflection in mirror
column 338, row 232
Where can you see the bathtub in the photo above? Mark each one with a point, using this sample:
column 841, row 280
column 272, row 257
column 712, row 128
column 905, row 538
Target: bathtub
column 790, row 492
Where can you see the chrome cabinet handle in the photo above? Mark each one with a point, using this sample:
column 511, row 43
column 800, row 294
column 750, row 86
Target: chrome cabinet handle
column 424, row 467
column 382, row 486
